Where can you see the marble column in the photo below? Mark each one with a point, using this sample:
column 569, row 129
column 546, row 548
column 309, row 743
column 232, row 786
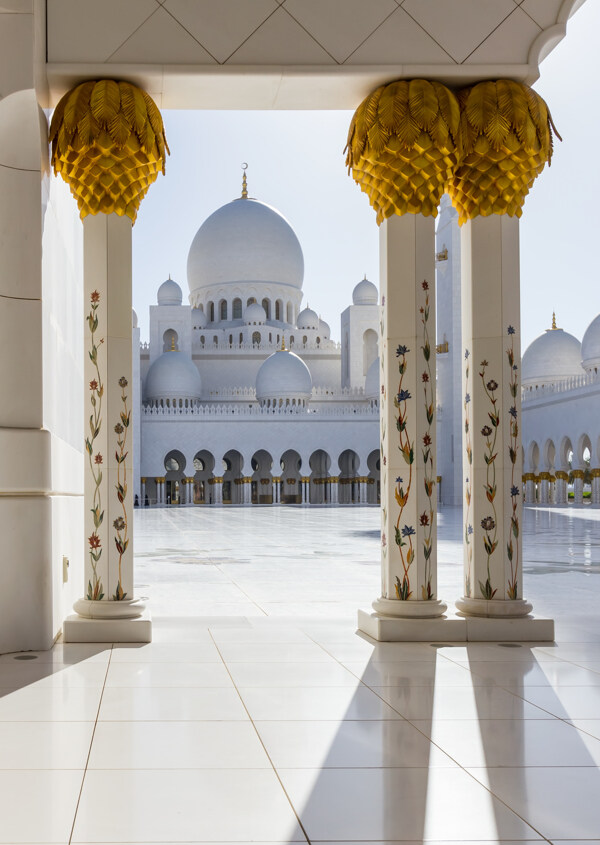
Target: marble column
column 492, row 452
column 577, row 486
column 529, row 488
column 217, row 490
column 544, row 488
column 191, row 490
column 408, row 472
column 276, row 490
column 334, row 489
column 562, row 479
column 304, row 482
column 143, row 492
column 247, row 481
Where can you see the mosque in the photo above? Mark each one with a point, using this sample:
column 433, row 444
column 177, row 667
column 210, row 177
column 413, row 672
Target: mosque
column 243, row 397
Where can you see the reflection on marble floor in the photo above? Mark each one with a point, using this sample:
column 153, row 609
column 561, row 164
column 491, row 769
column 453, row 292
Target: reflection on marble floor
column 259, row 715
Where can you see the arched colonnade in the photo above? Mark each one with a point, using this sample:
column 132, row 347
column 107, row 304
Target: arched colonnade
column 561, row 469
column 263, row 478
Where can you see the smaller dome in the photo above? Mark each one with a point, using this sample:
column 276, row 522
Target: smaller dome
column 283, row 376
column 590, row 345
column 372, row 380
column 134, row 319
column 254, row 315
column 553, row 356
column 365, row 293
column 169, row 293
column 308, row 319
column 173, row 376
column 199, row 319
column 324, row 329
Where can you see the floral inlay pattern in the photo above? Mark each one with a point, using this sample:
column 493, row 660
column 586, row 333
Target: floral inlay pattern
column 121, row 523
column 490, row 433
column 403, row 536
column 95, row 590
column 427, row 517
column 513, row 550
column 468, row 480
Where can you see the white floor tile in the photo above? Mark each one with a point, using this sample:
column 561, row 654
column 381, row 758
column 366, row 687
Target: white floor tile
column 168, row 675
column 414, row 673
column 38, row 806
column 177, row 745
column 377, row 804
column 318, row 674
column 166, row 653
column 62, row 653
column 560, row 803
column 273, row 652
column 49, row 704
column 564, row 701
column 507, row 742
column 184, row 806
column 589, row 726
column 524, row 674
column 480, row 702
column 267, row 634
column 45, row 675
column 171, row 704
column 45, row 745
column 320, row 703
column 350, row 744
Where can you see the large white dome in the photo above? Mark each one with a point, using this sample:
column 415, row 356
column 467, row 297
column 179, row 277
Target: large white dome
column 245, row 241
column 590, row 346
column 173, row 376
column 283, row 376
column 553, row 356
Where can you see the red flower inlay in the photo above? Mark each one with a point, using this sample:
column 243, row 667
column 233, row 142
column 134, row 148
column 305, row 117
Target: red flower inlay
column 93, row 385
column 426, row 440
column 425, row 377
column 98, row 458
column 95, row 296
column 425, row 285
column 424, row 519
column 94, row 541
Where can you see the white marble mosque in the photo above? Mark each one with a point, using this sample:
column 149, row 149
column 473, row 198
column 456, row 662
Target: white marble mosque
column 245, row 398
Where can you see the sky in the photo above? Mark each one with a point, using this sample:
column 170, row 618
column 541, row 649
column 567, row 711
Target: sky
column 296, row 164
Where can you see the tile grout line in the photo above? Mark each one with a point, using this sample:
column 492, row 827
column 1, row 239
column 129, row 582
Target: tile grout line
column 242, row 591
column 91, row 745
column 260, row 740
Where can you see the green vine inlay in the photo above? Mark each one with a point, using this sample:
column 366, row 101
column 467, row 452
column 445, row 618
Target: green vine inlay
column 95, row 590
column 403, row 536
column 121, row 522
column 513, row 555
column 490, row 523
column 427, row 517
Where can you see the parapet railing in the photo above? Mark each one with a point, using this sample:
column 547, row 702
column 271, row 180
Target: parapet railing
column 562, row 386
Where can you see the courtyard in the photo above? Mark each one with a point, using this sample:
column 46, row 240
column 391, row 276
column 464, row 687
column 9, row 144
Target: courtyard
column 257, row 714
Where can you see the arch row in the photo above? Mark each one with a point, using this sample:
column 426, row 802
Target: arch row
column 562, row 469
column 264, row 479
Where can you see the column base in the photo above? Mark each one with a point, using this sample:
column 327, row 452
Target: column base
column 410, row 609
column 455, row 629
column 508, row 609
column 79, row 629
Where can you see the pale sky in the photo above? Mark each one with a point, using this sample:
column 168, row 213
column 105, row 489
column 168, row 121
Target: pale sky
column 296, row 164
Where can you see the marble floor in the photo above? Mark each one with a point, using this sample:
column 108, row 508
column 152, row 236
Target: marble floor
column 259, row 715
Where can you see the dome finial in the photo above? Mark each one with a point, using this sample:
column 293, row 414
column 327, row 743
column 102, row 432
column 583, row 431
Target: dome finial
column 172, row 343
column 244, row 182
column 554, row 326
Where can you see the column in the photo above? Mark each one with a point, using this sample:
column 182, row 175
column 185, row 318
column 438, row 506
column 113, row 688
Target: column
column 577, row 486
column 407, row 346
column 529, row 487
column 247, row 490
column 304, row 488
column 143, row 492
column 492, row 418
column 334, row 489
column 109, row 168
column 544, row 488
column 217, row 482
column 562, row 479
column 276, row 490
column 536, row 490
column 552, row 490
column 362, row 490
column 191, row 485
